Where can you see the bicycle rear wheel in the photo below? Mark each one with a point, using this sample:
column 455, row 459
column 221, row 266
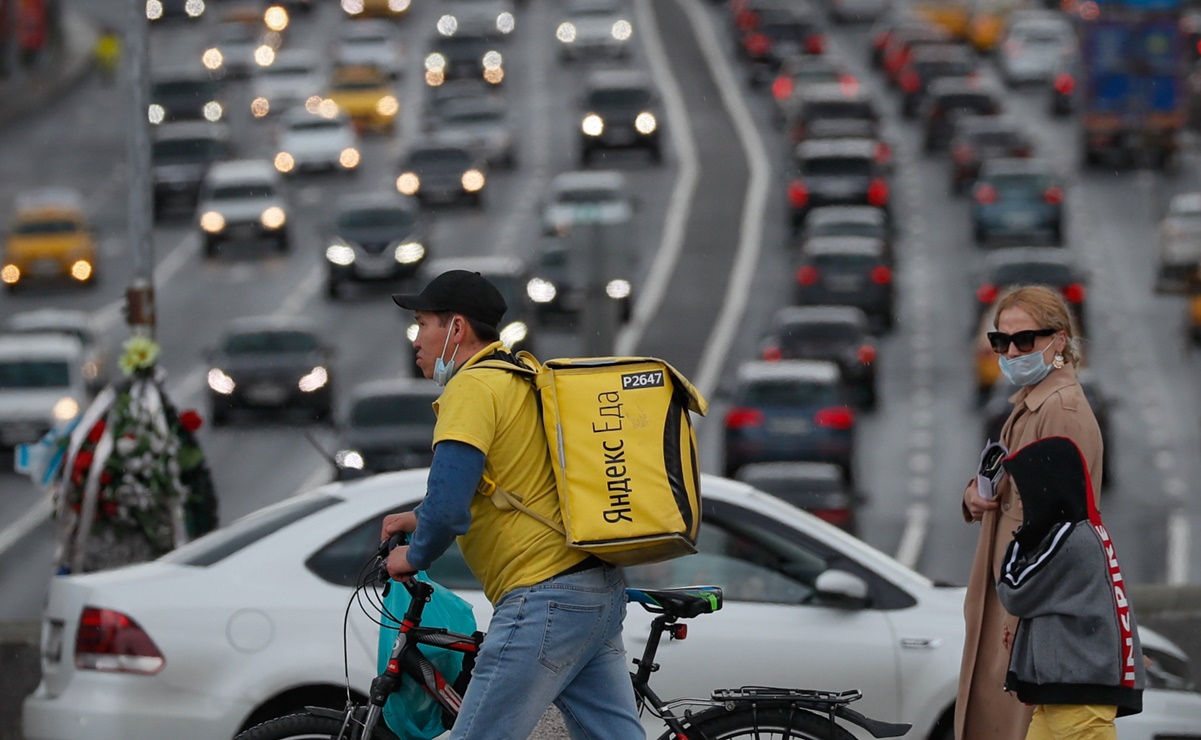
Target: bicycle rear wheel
column 303, row 727
column 763, row 723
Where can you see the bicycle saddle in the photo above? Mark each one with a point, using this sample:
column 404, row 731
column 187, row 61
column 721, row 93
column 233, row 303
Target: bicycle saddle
column 684, row 602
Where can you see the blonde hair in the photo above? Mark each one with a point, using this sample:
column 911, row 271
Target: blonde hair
column 1049, row 310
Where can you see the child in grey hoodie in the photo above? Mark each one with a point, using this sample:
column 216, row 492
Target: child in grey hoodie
column 1076, row 653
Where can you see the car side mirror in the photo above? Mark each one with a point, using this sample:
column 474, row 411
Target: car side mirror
column 841, row 589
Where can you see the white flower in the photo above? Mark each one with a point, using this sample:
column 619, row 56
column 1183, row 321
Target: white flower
column 126, row 446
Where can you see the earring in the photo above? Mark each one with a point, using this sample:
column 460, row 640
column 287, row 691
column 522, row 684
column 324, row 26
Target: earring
column 1057, row 362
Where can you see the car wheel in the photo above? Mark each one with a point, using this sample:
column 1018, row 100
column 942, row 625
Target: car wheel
column 210, row 247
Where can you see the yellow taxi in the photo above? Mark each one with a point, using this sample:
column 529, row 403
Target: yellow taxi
column 1194, row 315
column 985, row 360
column 376, row 8
column 366, row 94
column 988, row 20
column 49, row 239
column 953, row 15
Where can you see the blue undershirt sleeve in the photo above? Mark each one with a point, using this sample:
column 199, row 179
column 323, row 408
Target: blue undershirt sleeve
column 446, row 511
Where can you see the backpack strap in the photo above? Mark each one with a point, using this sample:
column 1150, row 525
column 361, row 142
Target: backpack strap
column 511, row 501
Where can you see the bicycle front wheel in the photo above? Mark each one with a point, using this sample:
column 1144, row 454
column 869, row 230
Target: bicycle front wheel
column 763, row 723
column 304, row 727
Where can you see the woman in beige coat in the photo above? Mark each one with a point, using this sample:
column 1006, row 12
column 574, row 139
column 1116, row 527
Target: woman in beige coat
column 1039, row 351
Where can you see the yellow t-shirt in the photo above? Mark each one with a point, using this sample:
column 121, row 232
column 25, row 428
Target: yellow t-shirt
column 496, row 412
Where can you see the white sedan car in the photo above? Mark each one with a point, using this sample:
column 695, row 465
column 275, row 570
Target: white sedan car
column 246, row 623
column 293, row 79
column 316, row 141
column 369, row 43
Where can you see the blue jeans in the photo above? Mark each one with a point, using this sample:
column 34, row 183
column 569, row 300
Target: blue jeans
column 558, row 641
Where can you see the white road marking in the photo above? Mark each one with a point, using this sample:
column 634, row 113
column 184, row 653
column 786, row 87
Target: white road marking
column 29, row 521
column 914, row 536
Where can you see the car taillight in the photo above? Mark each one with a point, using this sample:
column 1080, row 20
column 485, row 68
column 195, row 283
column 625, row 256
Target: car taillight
column 986, row 195
column 746, row 20
column 758, row 44
column 883, row 153
column 881, row 275
column 772, row 353
column 782, row 87
column 739, row 418
column 1064, row 84
column 815, row 44
column 1053, row 195
column 108, row 640
column 1074, row 293
column 798, row 195
column 877, row 193
column 962, row 153
column 837, row 517
column 835, row 417
column 806, row 275
column 866, row 354
column 986, row 294
column 910, row 82
column 1022, row 151
column 880, row 39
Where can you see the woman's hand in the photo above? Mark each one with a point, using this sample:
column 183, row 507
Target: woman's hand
column 977, row 506
column 398, row 564
column 405, row 521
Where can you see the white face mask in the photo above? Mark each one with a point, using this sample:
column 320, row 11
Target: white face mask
column 444, row 369
column 1025, row 370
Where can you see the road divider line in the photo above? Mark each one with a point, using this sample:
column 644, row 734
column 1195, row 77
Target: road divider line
column 35, row 515
column 917, row 520
column 750, row 232
column 108, row 315
column 650, row 296
column 1178, row 548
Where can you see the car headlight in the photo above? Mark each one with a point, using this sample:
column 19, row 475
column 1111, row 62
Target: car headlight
column 81, row 270
column 622, row 30
column 408, row 183
column 10, row 274
column 220, row 382
column 315, row 379
column 435, row 62
column 65, row 409
column 645, row 123
column 387, row 106
column 473, row 181
column 505, row 22
column 276, row 18
column 260, row 107
column 593, row 125
column 399, row 6
column 314, row 103
column 409, row 252
column 213, row 111
column 340, row 253
column 513, row 333
column 156, row 113
column 273, row 218
column 349, row 158
column 212, row 222
column 1166, row 671
column 352, row 7
column 566, row 32
column 194, row 8
column 349, row 459
column 264, row 56
column 618, row 289
column 411, row 332
column 154, row 9
column 541, row 291
column 284, row 162
column 447, row 25
column 492, row 60
column 212, row 58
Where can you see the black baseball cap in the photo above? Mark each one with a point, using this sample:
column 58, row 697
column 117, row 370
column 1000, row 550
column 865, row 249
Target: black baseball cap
column 458, row 291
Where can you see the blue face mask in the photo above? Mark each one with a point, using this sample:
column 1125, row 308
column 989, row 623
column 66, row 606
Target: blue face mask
column 442, row 368
column 1024, row 370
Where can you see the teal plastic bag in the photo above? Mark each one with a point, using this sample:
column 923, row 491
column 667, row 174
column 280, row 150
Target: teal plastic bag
column 411, row 713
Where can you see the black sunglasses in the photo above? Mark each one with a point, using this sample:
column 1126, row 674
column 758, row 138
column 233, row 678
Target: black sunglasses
column 1023, row 340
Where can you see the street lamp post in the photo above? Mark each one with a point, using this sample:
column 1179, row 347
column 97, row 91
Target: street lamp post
column 139, row 296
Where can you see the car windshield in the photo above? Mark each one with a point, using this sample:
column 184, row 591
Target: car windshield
column 846, row 262
column 1033, row 272
column 45, row 227
column 279, row 71
column 1020, row 184
column 380, row 40
column 461, row 47
column 355, row 84
column 234, row 33
column 977, row 102
column 187, row 150
column 997, row 138
column 270, row 341
column 848, row 166
column 246, row 191
column 619, row 97
column 839, row 109
column 444, row 158
column 393, row 410
column 943, row 68
column 587, row 195
column 785, row 486
column 849, row 228
column 812, row 331
column 32, row 374
column 221, row 543
column 84, row 337
column 195, row 89
column 309, row 125
column 787, row 392
column 396, row 219
column 787, row 30
column 472, row 115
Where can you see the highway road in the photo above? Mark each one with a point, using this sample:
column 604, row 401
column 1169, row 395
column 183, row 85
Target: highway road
column 715, row 264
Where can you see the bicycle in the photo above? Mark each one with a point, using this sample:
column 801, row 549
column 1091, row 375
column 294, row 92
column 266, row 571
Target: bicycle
column 744, row 712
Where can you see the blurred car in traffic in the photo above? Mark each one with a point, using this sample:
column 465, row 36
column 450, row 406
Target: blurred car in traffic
column 1062, row 90
column 818, row 488
column 866, row 221
column 484, row 123
column 270, row 364
column 928, row 63
column 899, row 20
column 829, row 172
column 797, row 72
column 594, row 29
column 558, row 286
column 443, row 169
column 94, row 362
column 376, row 237
column 600, row 194
column 497, row 17
column 950, row 98
column 49, row 240
column 471, row 53
column 447, row 93
column 1018, row 199
column 789, row 410
column 1009, row 267
column 41, row 386
column 981, row 138
column 165, row 10
column 316, row 142
column 840, row 334
column 984, row 360
column 376, row 8
column 843, row 100
column 180, row 157
column 902, row 44
column 184, row 96
column 294, row 78
column 857, row 11
column 1179, row 258
column 241, row 43
column 780, row 31
column 847, row 271
column 1034, row 46
column 510, row 275
column 243, row 201
column 368, row 43
column 388, row 425
column 620, row 109
column 366, row 94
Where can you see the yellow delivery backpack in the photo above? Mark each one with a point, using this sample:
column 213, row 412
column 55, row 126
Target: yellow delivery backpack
column 624, row 454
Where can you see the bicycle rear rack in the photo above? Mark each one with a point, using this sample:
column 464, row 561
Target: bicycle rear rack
column 805, row 697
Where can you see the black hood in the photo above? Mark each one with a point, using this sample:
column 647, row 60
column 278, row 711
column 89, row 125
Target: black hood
column 1052, row 478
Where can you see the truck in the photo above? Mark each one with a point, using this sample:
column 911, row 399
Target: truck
column 1132, row 70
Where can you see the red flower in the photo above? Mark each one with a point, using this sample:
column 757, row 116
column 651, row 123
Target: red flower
column 109, row 509
column 106, row 477
column 94, row 434
column 83, row 460
column 190, row 420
